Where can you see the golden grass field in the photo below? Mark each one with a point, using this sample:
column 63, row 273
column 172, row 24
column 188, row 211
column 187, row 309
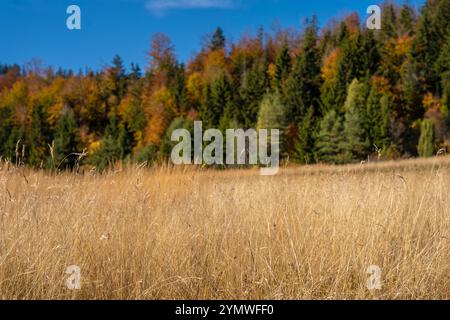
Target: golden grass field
column 186, row 233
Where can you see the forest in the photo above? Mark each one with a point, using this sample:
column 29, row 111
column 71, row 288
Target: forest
column 339, row 94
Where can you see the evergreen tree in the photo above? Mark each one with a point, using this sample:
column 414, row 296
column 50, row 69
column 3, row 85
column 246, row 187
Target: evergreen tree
column 305, row 145
column 355, row 124
column 252, row 90
column 282, row 68
column 330, row 139
column 355, row 96
column 356, row 143
column 407, row 20
column 303, row 85
column 371, row 57
column 271, row 113
column 206, row 113
column 66, row 140
column 113, row 146
column 117, row 78
column 39, row 136
column 441, row 20
column 389, row 22
column 424, row 53
column 378, row 108
column 218, row 40
column 426, row 141
column 177, row 87
column 352, row 64
column 217, row 98
column 5, row 130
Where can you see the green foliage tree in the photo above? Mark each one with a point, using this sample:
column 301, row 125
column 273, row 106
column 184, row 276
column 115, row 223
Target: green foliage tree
column 426, row 142
column 253, row 87
column 407, row 20
column 378, row 109
column 283, row 66
column 303, row 86
column 66, row 139
column 330, row 139
column 216, row 98
column 272, row 113
column 39, row 137
column 113, row 146
column 218, row 40
column 306, row 139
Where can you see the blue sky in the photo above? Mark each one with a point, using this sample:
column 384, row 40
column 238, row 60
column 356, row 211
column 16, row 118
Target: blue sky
column 37, row 28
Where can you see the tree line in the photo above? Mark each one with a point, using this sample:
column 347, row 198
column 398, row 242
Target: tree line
column 339, row 94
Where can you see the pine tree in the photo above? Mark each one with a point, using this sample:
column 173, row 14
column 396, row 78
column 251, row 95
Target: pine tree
column 5, row 130
column 282, row 68
column 220, row 98
column 424, row 53
column 39, row 136
column 355, row 96
column 218, row 40
column 351, row 65
column 330, row 139
column 377, row 109
column 206, row 113
column 426, row 141
column 371, row 57
column 253, row 87
column 271, row 113
column 356, row 143
column 112, row 147
column 117, row 78
column 441, row 20
column 407, row 20
column 303, row 85
column 389, row 22
column 66, row 140
column 356, row 139
column 306, row 133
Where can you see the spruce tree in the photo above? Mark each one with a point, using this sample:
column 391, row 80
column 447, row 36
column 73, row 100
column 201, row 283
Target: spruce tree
column 356, row 145
column 304, row 148
column 253, row 87
column 351, row 65
column 355, row 124
column 371, row 55
column 303, row 85
column 388, row 22
column 66, row 140
column 217, row 40
column 426, row 141
column 5, row 130
column 39, row 136
column 441, row 20
column 424, row 53
column 378, row 109
column 272, row 114
column 282, row 68
column 330, row 139
column 220, row 99
column 407, row 20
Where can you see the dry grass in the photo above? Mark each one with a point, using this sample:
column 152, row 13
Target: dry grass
column 162, row 233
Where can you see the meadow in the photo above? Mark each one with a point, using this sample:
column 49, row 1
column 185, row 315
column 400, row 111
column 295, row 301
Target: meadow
column 165, row 232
